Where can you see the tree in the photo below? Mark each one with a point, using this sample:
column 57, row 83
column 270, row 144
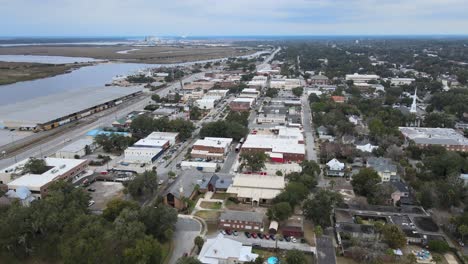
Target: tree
column 411, row 259
column 156, row 98
column 159, row 220
column 271, row 92
column 295, row 256
column 279, row 173
column 254, row 161
column 394, row 236
column 195, row 113
column 318, row 231
column 143, row 184
column 188, row 260
column 298, row 91
column 35, row 166
column 115, row 206
column 365, row 181
column 280, row 211
column 319, row 208
column 146, row 250
column 463, row 230
column 199, row 242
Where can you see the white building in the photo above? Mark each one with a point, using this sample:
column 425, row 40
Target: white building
column 256, row 189
column 57, row 169
column 152, row 143
column 258, row 82
column 286, row 84
column 221, row 93
column 361, row 78
column 77, row 148
column 249, row 93
column 142, row 155
column 172, row 137
column 221, row 250
column 401, row 81
column 205, row 103
column 335, row 164
column 201, row 166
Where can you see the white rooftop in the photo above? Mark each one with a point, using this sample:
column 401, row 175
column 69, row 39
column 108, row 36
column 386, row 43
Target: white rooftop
column 250, row 90
column 150, row 142
column 219, row 250
column 436, row 136
column 213, row 142
column 244, row 100
column 35, row 181
column 276, row 144
column 77, row 145
column 257, row 186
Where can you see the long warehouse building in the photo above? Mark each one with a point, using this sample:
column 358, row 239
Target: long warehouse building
column 48, row 112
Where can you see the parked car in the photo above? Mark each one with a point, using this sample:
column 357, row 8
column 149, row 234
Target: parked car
column 160, row 182
column 235, row 233
column 260, row 235
column 91, row 190
column 266, row 236
column 272, row 237
column 142, row 165
column 91, row 202
column 288, row 239
column 293, row 239
column 247, row 234
column 228, row 232
column 280, row 238
column 254, row 235
column 223, row 232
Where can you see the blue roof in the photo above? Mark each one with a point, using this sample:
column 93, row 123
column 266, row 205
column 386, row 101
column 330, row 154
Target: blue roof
column 96, row 132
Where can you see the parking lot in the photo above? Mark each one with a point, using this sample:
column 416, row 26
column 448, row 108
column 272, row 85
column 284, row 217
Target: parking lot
column 103, row 193
column 264, row 243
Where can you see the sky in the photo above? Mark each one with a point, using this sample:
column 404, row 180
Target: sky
column 232, row 17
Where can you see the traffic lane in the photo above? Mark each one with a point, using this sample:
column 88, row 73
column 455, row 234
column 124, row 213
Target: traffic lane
column 186, row 230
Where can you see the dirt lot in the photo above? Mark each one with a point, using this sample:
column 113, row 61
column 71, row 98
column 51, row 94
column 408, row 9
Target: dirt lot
column 105, row 191
column 160, row 54
column 11, row 72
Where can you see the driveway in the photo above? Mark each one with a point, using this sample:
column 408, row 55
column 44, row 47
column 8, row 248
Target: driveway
column 325, row 251
column 185, row 232
column 271, row 244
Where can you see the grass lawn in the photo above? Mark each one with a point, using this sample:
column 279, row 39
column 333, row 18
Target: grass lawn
column 208, row 215
column 211, row 205
column 167, row 251
column 220, row 196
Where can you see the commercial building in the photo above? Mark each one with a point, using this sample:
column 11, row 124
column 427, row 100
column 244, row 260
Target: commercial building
column 142, row 155
column 258, row 82
column 206, row 103
column 221, row 93
column 48, row 112
column 172, row 137
column 401, row 81
column 242, row 104
column 241, row 220
column 57, row 169
column 448, row 138
column 221, row 250
column 286, row 84
column 76, row 149
column 249, row 93
column 152, row 143
column 256, row 189
column 290, row 146
column 271, row 119
column 211, row 148
column 361, row 78
column 318, row 80
column 198, row 85
column 198, row 165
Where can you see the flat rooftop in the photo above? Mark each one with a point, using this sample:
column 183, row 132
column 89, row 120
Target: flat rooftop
column 435, row 136
column 47, row 108
column 77, row 145
column 58, row 167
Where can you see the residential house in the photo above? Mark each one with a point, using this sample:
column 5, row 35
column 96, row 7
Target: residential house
column 335, row 168
column 385, row 167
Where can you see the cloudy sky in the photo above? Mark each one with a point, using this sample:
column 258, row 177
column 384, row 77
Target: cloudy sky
column 231, row 17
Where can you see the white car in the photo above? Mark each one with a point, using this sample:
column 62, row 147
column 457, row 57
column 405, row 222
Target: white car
column 293, row 239
column 223, row 232
column 91, row 202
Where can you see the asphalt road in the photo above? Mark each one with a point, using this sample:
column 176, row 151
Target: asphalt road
column 185, row 232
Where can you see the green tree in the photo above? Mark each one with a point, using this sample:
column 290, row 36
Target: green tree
column 318, row 231
column 394, row 236
column 271, row 92
column 156, row 98
column 298, row 91
column 143, row 184
column 115, row 206
column 159, row 220
column 279, row 173
column 280, row 211
column 295, row 256
column 319, row 208
column 188, row 260
column 146, row 250
column 254, row 161
column 35, row 166
column 463, row 230
column 365, row 182
column 199, row 242
column 195, row 113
